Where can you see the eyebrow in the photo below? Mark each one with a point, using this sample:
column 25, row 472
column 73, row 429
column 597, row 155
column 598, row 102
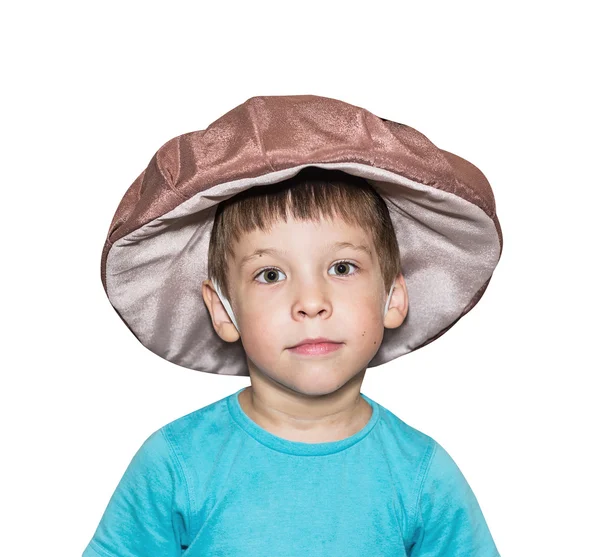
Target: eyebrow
column 336, row 246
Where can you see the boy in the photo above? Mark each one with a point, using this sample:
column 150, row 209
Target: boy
column 307, row 290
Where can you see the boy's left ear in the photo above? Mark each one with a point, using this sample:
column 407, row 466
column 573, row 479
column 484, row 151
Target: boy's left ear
column 398, row 306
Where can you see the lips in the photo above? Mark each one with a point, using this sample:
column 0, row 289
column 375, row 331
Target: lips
column 318, row 340
column 315, row 347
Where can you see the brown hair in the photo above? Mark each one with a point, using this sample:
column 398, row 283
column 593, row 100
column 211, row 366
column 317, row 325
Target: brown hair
column 309, row 195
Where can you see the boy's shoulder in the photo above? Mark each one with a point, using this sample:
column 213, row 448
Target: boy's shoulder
column 210, row 422
column 409, row 449
column 411, row 437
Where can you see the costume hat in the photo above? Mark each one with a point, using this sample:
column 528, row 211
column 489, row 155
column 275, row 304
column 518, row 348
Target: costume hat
column 156, row 253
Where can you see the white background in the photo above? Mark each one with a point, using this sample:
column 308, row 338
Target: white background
column 91, row 91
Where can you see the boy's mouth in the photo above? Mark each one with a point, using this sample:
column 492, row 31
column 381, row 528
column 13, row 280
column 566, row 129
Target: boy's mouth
column 316, row 346
column 318, row 340
column 316, row 349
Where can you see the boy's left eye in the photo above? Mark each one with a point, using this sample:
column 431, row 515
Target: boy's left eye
column 339, row 264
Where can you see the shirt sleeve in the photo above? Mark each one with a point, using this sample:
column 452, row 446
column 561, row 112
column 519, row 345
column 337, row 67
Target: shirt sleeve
column 449, row 521
column 141, row 518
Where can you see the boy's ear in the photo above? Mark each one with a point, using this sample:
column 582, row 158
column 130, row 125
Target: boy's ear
column 220, row 319
column 398, row 307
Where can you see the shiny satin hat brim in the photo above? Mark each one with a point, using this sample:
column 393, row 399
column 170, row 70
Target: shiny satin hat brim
column 156, row 252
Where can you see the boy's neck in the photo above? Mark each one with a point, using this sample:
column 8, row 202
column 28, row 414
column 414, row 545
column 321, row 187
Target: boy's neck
column 329, row 420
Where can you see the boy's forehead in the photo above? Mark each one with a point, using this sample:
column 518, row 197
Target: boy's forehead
column 296, row 236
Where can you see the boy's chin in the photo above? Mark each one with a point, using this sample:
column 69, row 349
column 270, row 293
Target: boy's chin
column 322, row 384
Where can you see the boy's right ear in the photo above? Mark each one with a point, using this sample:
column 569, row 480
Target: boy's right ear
column 220, row 319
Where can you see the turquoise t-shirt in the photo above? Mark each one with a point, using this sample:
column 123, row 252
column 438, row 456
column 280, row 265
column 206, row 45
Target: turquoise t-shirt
column 214, row 483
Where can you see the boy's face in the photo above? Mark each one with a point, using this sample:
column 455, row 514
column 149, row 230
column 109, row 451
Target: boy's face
column 308, row 294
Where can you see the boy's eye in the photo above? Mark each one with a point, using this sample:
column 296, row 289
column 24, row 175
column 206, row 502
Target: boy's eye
column 271, row 272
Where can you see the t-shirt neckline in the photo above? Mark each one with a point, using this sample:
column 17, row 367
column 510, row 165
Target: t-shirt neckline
column 297, row 447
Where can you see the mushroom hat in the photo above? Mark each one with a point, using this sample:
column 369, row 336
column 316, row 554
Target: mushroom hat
column 155, row 256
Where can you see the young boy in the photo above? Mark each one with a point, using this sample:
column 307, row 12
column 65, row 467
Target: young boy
column 307, row 291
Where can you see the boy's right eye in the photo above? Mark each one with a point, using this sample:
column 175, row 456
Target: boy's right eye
column 270, row 272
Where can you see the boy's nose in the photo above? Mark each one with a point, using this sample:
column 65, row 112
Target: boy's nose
column 311, row 301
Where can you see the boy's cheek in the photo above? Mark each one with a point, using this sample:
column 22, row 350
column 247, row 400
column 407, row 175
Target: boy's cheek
column 262, row 344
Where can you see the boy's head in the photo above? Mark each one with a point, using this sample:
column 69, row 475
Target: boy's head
column 313, row 283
